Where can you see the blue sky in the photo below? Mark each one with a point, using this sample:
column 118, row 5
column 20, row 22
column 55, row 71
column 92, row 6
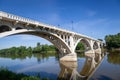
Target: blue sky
column 95, row 18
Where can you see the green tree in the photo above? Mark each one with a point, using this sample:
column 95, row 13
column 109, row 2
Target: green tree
column 112, row 41
column 38, row 47
column 80, row 46
column 30, row 78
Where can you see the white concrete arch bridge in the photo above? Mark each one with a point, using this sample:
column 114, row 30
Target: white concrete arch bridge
column 66, row 41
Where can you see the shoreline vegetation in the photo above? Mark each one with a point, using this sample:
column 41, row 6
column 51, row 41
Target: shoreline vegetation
column 113, row 42
column 29, row 50
column 22, row 51
column 39, row 49
column 5, row 74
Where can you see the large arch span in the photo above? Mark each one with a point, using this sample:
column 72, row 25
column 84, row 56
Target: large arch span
column 54, row 39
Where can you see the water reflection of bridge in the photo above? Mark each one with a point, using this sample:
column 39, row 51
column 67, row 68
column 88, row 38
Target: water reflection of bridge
column 69, row 69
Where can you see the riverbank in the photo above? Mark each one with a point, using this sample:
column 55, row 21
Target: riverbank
column 5, row 74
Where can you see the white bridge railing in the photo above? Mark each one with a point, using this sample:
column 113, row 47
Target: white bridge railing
column 11, row 16
column 29, row 21
column 22, row 19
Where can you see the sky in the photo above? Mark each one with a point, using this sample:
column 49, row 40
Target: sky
column 94, row 18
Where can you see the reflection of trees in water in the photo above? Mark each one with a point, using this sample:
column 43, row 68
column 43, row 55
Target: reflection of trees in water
column 40, row 56
column 81, row 55
column 114, row 57
column 22, row 52
column 16, row 52
column 43, row 57
column 16, row 56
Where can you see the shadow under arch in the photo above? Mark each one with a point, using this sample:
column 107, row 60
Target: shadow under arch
column 95, row 45
column 17, row 28
column 4, row 28
column 54, row 39
column 98, row 52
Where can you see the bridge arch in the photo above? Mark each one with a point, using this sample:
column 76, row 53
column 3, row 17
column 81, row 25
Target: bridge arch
column 4, row 28
column 53, row 38
column 86, row 43
column 95, row 45
column 17, row 28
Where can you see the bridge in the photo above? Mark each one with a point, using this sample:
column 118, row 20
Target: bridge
column 65, row 41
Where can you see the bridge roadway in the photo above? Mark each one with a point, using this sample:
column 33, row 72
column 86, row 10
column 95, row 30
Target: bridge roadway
column 66, row 41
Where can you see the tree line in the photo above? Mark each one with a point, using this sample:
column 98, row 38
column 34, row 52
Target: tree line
column 44, row 48
column 38, row 49
column 23, row 51
column 113, row 41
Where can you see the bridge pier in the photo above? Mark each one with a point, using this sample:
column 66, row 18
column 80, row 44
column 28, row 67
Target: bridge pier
column 98, row 50
column 98, row 57
column 98, row 53
column 69, row 57
column 89, row 51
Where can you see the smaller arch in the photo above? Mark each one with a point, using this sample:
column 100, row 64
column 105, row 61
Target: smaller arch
column 85, row 42
column 17, row 28
column 101, row 45
column 95, row 45
column 62, row 36
column 53, row 38
column 4, row 28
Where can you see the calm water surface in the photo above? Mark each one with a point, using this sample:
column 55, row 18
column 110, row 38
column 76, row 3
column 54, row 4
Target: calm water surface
column 109, row 68
column 50, row 67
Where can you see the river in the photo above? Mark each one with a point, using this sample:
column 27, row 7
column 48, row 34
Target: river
column 50, row 67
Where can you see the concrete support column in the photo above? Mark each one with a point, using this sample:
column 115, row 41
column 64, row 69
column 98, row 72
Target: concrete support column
column 60, row 35
column 72, row 44
column 100, row 57
column 70, row 56
column 64, row 37
column 93, row 63
column 68, row 41
column 99, row 48
column 103, row 54
column 13, row 29
column 91, row 45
